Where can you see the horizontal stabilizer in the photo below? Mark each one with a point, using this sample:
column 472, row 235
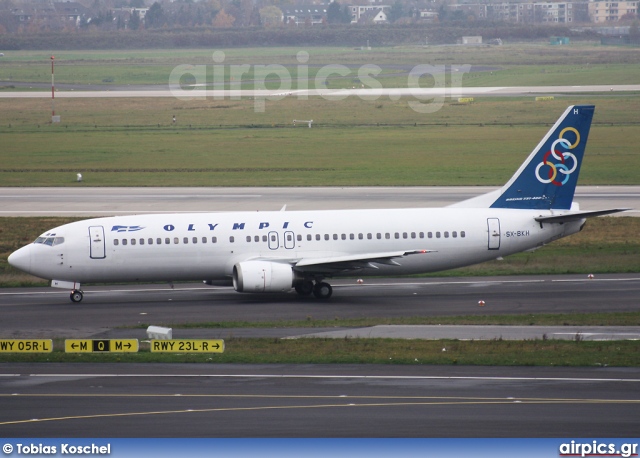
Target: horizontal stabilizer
column 578, row 216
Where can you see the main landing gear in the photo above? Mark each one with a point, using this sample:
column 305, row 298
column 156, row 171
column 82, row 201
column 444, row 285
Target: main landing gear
column 76, row 295
column 320, row 289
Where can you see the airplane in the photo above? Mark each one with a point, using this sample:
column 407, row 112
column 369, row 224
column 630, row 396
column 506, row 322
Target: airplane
column 281, row 251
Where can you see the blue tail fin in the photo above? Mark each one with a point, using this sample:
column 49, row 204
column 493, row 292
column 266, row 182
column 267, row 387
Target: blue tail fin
column 547, row 179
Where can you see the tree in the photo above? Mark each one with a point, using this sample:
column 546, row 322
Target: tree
column 334, row 13
column 223, row 20
column 271, row 16
column 155, row 16
column 346, row 14
column 395, row 12
column 134, row 21
column 634, row 32
column 337, row 14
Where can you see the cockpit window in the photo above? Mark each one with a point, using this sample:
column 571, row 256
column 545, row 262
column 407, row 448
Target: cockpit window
column 50, row 241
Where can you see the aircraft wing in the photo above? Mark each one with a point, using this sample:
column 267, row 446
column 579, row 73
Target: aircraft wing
column 353, row 261
column 577, row 216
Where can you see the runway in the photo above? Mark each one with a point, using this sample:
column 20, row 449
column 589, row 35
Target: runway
column 105, row 310
column 367, row 93
column 235, row 400
column 88, row 201
column 156, row 400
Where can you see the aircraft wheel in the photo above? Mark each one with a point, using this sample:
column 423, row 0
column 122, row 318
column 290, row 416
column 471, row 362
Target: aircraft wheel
column 76, row 296
column 304, row 288
column 323, row 290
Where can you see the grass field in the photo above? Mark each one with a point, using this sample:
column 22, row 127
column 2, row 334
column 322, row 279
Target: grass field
column 377, row 351
column 354, row 142
column 514, row 64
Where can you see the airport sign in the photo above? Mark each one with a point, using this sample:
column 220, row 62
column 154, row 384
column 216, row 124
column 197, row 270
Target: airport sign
column 187, row 346
column 101, row 346
column 26, row 345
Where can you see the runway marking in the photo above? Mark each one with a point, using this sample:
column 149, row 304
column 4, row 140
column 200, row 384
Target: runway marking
column 435, row 401
column 343, row 285
column 334, row 377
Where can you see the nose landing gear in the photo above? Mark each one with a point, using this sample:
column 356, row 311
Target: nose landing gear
column 76, row 295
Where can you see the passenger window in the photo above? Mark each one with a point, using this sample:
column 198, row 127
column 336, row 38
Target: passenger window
column 248, row 238
column 204, row 240
column 289, row 238
column 256, row 238
column 124, row 241
column 378, row 235
column 133, row 241
column 273, row 238
column 404, row 235
column 318, row 237
column 194, row 240
column 421, row 235
column 413, row 235
column 430, row 235
column 326, row 236
column 264, row 238
column 159, row 241
column 299, row 237
column 387, row 236
column 397, row 235
column 141, row 241
column 309, row 238
column 344, row 237
column 176, row 240
column 150, row 241
column 116, row 242
column 232, row 239
column 352, row 237
column 214, row 239
column 454, row 234
column 360, row 236
column 167, row 241
column 462, row 234
column 446, row 234
column 437, row 235
column 369, row 236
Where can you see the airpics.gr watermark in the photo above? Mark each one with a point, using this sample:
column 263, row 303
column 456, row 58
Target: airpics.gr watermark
column 596, row 448
column 199, row 82
column 62, row 449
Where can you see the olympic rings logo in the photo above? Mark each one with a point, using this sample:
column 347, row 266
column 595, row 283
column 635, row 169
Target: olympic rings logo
column 559, row 172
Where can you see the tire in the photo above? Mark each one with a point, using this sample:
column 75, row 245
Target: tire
column 323, row 290
column 304, row 288
column 76, row 296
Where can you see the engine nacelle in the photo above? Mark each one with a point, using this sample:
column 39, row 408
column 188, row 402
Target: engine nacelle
column 262, row 277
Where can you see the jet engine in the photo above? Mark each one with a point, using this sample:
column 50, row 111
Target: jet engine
column 262, row 277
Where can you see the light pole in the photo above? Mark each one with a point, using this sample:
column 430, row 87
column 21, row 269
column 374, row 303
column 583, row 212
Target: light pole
column 54, row 118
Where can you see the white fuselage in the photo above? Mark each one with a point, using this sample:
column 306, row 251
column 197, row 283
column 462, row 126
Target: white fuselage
column 206, row 246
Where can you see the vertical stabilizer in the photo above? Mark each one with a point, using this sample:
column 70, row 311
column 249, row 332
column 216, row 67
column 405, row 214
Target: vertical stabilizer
column 547, row 179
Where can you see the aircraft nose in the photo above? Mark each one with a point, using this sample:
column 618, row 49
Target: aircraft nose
column 21, row 259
